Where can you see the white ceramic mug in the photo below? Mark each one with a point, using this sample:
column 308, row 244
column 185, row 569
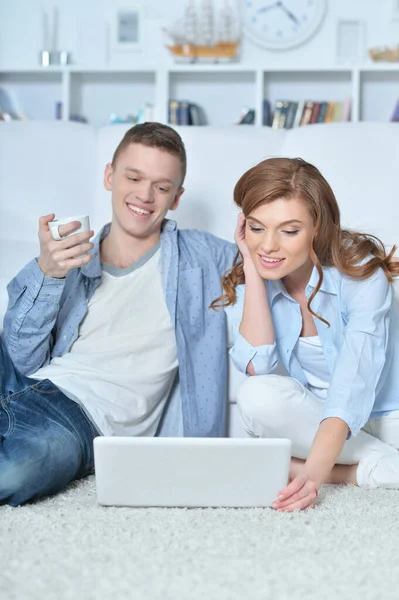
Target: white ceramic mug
column 83, row 219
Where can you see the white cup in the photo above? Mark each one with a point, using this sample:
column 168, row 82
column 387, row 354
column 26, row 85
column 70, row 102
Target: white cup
column 83, row 219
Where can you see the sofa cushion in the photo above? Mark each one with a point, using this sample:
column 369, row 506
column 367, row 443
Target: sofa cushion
column 360, row 161
column 44, row 167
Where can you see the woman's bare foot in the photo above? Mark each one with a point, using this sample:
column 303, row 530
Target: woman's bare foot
column 343, row 474
column 338, row 474
column 296, row 467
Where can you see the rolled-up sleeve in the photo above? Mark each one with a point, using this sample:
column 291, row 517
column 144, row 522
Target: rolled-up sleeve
column 33, row 307
column 264, row 358
column 366, row 307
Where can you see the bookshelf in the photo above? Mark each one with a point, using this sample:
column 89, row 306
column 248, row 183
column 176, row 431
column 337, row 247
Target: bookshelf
column 221, row 90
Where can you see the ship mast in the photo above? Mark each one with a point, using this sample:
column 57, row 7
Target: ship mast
column 206, row 23
column 191, row 23
column 227, row 23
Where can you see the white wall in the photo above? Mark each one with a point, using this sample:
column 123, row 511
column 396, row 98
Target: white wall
column 84, row 30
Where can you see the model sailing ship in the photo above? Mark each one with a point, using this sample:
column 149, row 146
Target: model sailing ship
column 197, row 37
column 386, row 53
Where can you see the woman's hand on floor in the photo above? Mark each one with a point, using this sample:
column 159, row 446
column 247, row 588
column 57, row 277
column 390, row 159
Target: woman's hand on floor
column 303, row 489
column 299, row 494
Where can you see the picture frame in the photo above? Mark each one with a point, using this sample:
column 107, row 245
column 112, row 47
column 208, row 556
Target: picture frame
column 350, row 41
column 127, row 29
column 395, row 10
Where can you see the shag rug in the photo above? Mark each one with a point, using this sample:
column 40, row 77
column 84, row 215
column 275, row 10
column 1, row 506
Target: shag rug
column 67, row 547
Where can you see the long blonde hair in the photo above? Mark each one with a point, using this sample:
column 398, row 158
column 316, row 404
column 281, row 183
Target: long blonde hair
column 332, row 246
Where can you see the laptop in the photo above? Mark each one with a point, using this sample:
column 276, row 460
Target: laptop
column 190, row 472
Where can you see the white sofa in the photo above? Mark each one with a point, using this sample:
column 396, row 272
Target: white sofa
column 58, row 167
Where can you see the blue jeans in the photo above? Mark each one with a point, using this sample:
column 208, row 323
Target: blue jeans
column 46, row 440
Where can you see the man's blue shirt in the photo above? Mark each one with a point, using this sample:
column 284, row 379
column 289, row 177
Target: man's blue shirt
column 44, row 315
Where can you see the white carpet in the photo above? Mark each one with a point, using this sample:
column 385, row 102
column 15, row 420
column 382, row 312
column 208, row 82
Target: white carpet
column 66, row 547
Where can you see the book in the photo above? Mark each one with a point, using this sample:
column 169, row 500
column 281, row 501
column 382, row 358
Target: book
column 322, row 113
column 395, row 114
column 315, row 112
column 329, row 118
column 248, row 118
column 283, row 115
column 276, row 116
column 307, row 113
column 291, row 114
column 197, row 114
column 347, row 110
column 299, row 113
column 173, row 116
column 338, row 110
column 183, row 114
column 266, row 116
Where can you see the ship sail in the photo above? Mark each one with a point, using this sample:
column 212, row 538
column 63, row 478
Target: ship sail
column 197, row 37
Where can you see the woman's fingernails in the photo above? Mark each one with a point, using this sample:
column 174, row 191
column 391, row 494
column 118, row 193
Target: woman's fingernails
column 274, row 505
column 280, row 497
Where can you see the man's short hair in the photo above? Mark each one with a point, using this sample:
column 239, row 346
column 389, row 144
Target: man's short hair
column 154, row 135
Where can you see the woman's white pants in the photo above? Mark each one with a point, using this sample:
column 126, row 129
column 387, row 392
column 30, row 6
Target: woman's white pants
column 281, row 407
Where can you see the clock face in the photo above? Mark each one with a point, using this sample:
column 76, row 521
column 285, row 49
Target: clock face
column 279, row 25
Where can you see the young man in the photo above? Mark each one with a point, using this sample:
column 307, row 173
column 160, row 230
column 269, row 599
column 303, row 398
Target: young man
column 118, row 341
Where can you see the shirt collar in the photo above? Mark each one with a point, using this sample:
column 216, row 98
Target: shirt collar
column 275, row 287
column 327, row 284
column 93, row 268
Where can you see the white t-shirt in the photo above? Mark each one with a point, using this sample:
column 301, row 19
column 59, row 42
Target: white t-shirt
column 122, row 366
column 309, row 353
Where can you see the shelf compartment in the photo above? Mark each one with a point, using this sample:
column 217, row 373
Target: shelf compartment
column 96, row 95
column 222, row 95
column 379, row 93
column 34, row 92
column 316, row 85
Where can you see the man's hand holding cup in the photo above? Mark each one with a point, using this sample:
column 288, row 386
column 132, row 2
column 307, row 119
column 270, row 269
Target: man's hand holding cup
column 64, row 244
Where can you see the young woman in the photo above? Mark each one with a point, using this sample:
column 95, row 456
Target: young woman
column 319, row 299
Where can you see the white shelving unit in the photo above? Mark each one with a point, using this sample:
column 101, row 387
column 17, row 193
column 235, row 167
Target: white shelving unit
column 221, row 90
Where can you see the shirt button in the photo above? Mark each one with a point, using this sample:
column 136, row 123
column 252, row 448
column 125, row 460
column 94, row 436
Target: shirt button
column 64, row 337
column 329, row 350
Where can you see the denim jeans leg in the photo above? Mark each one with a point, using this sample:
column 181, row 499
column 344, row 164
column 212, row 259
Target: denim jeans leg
column 46, row 441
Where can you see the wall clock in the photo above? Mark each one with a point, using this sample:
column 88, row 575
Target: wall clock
column 282, row 24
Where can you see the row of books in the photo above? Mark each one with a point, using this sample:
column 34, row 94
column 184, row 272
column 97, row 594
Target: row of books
column 183, row 112
column 287, row 114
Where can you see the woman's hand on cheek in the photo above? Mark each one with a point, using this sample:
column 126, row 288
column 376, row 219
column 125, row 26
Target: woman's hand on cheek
column 239, row 237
